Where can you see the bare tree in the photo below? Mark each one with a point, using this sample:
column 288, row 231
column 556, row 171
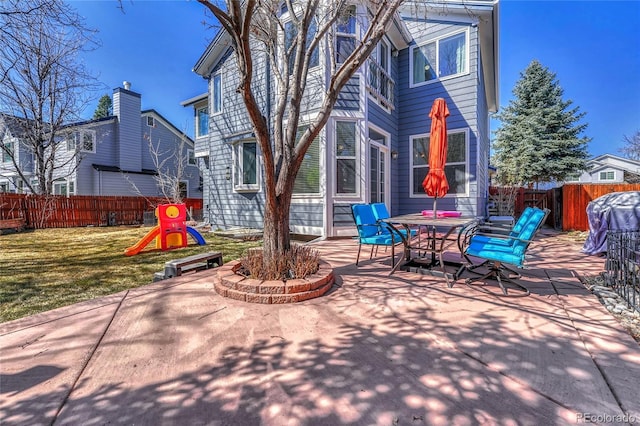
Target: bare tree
column 170, row 163
column 631, row 148
column 256, row 26
column 43, row 85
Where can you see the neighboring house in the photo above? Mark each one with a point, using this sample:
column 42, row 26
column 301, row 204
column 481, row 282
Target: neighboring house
column 10, row 136
column 373, row 148
column 117, row 155
column 609, row 168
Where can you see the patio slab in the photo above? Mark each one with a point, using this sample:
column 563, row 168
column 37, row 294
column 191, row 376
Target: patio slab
column 378, row 349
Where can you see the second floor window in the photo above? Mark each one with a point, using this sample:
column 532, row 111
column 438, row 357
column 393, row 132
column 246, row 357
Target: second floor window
column 290, row 32
column 345, row 33
column 86, row 141
column 440, row 58
column 217, row 93
column 7, row 152
column 203, row 121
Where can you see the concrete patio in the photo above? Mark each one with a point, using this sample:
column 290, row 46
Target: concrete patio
column 377, row 350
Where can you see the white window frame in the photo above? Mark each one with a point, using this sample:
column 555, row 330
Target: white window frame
column 191, row 158
column 216, row 93
column 6, row 157
column 238, row 150
column 353, row 35
column 206, row 130
column 437, row 41
column 606, row 176
column 356, row 159
column 151, row 122
column 376, row 55
column 466, row 163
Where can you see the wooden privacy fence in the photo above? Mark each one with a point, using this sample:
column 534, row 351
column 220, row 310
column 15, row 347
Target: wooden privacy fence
column 59, row 211
column 576, row 197
column 525, row 197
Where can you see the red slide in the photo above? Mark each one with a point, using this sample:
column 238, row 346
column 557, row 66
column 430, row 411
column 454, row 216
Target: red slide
column 137, row 247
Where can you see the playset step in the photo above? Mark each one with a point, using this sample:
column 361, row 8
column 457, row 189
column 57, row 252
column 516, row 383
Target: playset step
column 194, row 263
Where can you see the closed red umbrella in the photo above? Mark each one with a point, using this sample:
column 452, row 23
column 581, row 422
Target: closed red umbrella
column 435, row 183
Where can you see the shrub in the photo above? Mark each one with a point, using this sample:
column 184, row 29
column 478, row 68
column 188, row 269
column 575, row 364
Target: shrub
column 299, row 262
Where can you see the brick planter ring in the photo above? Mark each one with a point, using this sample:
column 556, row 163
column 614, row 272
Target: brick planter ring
column 234, row 286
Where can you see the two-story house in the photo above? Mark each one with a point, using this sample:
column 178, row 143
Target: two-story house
column 116, row 155
column 374, row 146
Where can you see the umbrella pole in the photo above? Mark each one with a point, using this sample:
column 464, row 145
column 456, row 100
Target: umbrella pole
column 435, row 211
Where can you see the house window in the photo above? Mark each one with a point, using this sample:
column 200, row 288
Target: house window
column 455, row 168
column 308, row 178
column 444, row 57
column 290, row 32
column 246, row 176
column 202, row 116
column 607, row 176
column 60, row 187
column 86, row 141
column 35, row 185
column 345, row 33
column 7, row 152
column 183, row 189
column 151, row 122
column 4, row 186
column 71, row 144
column 380, row 82
column 20, row 186
column 217, row 93
column 346, row 157
column 191, row 158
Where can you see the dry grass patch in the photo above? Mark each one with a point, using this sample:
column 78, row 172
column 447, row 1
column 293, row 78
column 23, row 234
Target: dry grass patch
column 50, row 268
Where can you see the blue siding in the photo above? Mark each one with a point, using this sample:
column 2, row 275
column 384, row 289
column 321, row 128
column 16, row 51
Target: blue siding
column 349, row 97
column 415, row 104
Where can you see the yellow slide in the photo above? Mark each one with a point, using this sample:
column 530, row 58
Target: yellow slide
column 137, row 247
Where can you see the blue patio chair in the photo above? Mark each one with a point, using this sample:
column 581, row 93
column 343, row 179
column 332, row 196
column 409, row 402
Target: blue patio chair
column 380, row 212
column 373, row 232
column 498, row 250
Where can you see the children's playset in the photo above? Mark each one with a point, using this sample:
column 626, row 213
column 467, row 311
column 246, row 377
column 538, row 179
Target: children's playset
column 170, row 232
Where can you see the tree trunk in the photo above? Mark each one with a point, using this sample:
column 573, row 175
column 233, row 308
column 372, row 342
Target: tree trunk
column 277, row 238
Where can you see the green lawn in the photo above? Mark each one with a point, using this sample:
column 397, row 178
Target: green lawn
column 50, row 268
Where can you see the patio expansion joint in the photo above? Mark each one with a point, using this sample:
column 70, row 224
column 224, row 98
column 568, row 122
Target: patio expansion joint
column 88, row 359
column 586, row 347
column 522, row 383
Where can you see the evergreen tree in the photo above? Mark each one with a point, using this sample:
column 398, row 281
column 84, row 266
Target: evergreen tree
column 104, row 108
column 539, row 139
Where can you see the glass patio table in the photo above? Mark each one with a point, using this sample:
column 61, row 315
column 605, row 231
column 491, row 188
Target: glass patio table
column 424, row 252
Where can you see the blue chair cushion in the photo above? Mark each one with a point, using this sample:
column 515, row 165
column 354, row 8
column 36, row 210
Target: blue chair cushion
column 499, row 253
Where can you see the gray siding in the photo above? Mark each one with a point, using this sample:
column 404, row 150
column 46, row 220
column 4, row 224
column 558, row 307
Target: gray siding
column 87, row 182
column 116, row 183
column 226, row 208
column 126, row 106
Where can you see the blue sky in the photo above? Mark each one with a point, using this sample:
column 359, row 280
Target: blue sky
column 592, row 46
